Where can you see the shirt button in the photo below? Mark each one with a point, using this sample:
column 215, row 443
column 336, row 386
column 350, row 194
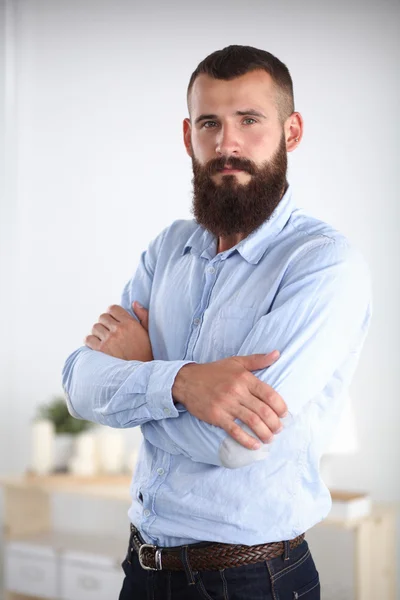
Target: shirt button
column 147, row 513
column 160, row 471
column 167, row 411
column 196, row 321
column 211, row 270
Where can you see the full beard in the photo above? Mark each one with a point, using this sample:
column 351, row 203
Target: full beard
column 230, row 207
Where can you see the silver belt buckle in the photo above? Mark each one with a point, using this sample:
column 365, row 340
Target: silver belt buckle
column 157, row 557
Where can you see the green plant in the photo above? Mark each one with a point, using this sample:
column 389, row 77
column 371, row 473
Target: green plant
column 56, row 411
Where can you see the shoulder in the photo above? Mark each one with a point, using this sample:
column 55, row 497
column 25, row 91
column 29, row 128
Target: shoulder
column 320, row 262
column 317, row 243
column 308, row 232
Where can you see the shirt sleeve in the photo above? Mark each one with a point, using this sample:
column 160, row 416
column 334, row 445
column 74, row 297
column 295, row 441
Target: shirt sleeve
column 318, row 321
column 115, row 392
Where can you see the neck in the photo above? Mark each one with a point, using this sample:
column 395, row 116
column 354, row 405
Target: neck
column 227, row 242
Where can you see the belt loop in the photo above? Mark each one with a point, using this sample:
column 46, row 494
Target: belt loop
column 186, row 565
column 287, row 550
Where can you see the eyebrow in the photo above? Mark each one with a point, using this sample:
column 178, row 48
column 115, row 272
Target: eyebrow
column 241, row 113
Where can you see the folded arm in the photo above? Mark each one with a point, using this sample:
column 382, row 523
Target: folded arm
column 320, row 315
column 116, row 392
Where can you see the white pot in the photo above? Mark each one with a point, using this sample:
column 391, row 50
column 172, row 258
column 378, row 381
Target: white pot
column 111, row 450
column 63, row 448
column 42, row 435
column 85, row 459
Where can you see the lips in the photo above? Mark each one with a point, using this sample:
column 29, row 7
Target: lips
column 228, row 168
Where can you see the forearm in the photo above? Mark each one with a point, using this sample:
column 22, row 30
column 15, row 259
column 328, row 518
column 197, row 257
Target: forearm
column 118, row 393
column 328, row 310
column 200, row 442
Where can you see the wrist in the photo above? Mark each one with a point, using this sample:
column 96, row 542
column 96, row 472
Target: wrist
column 180, row 384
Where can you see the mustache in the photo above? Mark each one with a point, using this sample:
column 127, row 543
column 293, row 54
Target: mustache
column 217, row 164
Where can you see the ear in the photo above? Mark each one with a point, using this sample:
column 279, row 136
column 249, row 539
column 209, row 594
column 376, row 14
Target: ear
column 294, row 128
column 187, row 134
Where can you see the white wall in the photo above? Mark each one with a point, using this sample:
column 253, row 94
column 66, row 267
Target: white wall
column 8, row 223
column 101, row 170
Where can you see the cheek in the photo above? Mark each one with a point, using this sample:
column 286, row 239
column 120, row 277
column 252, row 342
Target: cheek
column 260, row 147
column 259, row 141
column 202, row 147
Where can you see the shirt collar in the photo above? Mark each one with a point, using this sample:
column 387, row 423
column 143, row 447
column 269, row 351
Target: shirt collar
column 204, row 244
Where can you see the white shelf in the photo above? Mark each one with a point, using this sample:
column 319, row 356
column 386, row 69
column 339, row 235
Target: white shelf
column 65, row 565
column 90, row 548
column 112, row 487
column 46, row 562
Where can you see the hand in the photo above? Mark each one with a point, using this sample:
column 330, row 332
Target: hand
column 222, row 391
column 118, row 334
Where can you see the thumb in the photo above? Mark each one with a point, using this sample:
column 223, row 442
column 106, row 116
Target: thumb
column 253, row 362
column 142, row 314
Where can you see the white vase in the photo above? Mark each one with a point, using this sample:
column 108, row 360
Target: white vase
column 85, row 459
column 63, row 448
column 42, row 435
column 111, row 448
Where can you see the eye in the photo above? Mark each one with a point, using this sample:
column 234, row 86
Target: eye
column 249, row 119
column 209, row 124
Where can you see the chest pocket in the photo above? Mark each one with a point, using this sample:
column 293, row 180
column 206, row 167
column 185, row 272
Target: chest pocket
column 230, row 328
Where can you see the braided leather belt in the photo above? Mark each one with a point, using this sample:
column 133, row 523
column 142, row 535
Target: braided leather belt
column 206, row 557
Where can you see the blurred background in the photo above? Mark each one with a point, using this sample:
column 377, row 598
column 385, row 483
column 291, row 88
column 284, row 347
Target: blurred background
column 92, row 167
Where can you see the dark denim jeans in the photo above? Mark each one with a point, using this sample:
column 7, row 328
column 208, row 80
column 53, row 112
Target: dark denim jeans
column 282, row 578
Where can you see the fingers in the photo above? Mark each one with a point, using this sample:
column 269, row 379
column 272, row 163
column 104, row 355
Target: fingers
column 253, row 362
column 268, row 395
column 142, row 314
column 261, row 419
column 108, row 321
column 93, row 342
column 118, row 313
column 257, row 427
column 269, row 358
column 100, row 331
column 238, row 434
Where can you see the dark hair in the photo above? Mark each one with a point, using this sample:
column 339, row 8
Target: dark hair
column 233, row 61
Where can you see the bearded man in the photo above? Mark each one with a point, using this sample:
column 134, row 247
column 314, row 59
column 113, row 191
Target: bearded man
column 232, row 349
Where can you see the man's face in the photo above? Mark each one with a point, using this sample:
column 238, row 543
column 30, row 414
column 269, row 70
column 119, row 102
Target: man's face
column 238, row 150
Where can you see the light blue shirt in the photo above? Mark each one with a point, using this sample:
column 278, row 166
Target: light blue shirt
column 295, row 285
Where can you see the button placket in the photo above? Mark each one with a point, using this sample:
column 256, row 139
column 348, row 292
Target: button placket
column 206, row 294
column 204, row 301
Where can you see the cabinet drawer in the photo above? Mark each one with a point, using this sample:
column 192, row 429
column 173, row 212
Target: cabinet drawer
column 86, row 582
column 30, row 575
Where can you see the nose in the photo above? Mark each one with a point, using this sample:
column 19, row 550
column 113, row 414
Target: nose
column 227, row 142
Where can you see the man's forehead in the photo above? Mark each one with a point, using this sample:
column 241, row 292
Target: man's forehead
column 254, row 89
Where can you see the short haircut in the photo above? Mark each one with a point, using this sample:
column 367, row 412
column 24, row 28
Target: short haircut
column 233, row 61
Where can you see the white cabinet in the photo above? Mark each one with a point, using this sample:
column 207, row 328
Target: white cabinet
column 29, row 571
column 89, row 581
column 61, row 566
column 40, row 571
column 41, row 562
column 45, row 563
